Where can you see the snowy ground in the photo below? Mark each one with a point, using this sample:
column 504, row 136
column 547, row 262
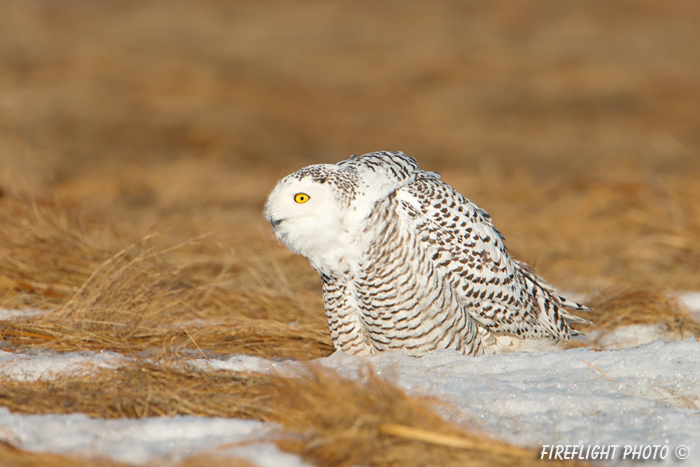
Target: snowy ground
column 647, row 395
column 166, row 439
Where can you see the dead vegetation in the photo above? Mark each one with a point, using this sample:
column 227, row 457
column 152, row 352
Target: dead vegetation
column 617, row 307
column 327, row 419
column 136, row 300
column 138, row 143
column 44, row 256
column 14, row 457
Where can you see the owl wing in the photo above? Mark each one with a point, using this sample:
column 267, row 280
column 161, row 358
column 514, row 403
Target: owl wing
column 400, row 297
column 501, row 294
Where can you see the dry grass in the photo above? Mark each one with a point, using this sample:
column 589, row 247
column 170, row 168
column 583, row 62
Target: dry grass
column 347, row 425
column 138, row 143
column 45, row 256
column 135, row 299
column 572, row 125
column 622, row 307
column 329, row 420
column 13, row 457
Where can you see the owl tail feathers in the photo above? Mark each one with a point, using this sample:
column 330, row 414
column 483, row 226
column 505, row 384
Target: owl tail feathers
column 572, row 304
column 571, row 318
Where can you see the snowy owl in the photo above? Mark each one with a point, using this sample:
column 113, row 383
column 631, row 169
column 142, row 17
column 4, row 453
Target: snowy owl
column 409, row 263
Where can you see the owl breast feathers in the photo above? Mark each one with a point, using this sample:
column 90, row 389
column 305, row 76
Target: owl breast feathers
column 409, row 263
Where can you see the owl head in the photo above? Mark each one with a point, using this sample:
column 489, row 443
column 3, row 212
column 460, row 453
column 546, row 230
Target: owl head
column 318, row 211
column 308, row 211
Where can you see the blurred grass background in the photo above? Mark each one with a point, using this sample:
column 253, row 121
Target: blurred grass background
column 576, row 125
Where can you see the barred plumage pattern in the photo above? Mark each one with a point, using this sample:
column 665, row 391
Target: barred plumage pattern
column 409, row 263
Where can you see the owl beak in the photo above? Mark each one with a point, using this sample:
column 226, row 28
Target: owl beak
column 276, row 222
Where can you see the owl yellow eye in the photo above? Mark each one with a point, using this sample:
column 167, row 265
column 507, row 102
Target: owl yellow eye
column 301, row 198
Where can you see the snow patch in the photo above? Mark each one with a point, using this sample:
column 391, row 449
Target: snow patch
column 141, row 441
column 47, row 365
column 648, row 394
column 6, row 314
column 242, row 363
column 645, row 395
column 692, row 301
column 634, row 335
